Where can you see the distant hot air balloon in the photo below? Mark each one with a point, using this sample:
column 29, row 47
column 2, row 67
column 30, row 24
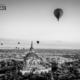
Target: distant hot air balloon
column 18, row 42
column 37, row 42
column 23, row 48
column 1, row 43
column 58, row 13
column 16, row 47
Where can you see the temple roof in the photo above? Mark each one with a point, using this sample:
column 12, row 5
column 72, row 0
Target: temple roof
column 31, row 53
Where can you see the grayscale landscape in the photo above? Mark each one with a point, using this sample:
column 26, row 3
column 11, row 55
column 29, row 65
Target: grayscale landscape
column 39, row 39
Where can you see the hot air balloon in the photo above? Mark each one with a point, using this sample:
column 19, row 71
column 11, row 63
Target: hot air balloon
column 16, row 47
column 37, row 42
column 58, row 13
column 18, row 42
column 1, row 43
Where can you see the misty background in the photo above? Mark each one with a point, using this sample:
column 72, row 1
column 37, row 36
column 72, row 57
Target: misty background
column 31, row 20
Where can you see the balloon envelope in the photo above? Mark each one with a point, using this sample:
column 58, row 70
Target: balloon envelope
column 58, row 13
column 1, row 43
column 18, row 42
column 37, row 42
column 16, row 47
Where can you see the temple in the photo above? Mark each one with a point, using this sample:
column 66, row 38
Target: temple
column 33, row 63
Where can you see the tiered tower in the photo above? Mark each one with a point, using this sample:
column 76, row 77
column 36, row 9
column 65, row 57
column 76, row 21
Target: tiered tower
column 31, row 48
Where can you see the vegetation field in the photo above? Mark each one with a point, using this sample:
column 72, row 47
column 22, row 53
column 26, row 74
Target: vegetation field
column 11, row 62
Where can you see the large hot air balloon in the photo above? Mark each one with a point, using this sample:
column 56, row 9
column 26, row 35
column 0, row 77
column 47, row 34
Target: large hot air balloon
column 58, row 13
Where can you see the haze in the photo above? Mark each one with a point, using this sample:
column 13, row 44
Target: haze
column 33, row 20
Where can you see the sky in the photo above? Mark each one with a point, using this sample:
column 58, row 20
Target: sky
column 32, row 20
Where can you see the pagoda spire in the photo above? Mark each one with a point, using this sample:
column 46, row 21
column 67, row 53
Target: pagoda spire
column 31, row 48
column 31, row 44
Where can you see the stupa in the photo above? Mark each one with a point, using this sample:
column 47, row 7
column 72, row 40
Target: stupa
column 32, row 62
